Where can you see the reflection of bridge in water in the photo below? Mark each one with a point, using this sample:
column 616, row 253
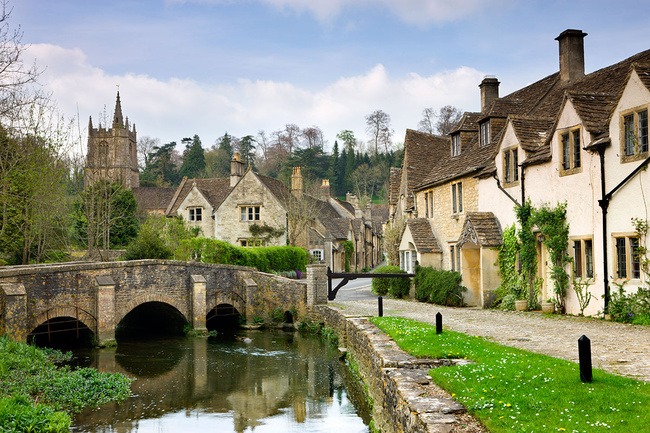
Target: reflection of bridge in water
column 94, row 299
column 246, row 383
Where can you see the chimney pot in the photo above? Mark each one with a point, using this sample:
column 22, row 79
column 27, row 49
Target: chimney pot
column 572, row 54
column 489, row 91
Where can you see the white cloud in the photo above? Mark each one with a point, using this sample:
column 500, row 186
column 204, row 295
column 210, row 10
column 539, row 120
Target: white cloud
column 177, row 108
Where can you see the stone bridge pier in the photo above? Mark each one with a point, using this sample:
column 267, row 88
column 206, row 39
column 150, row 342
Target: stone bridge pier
column 100, row 295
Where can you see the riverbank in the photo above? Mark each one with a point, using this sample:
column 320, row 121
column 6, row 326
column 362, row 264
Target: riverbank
column 402, row 395
column 38, row 396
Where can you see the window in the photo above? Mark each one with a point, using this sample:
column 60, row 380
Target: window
column 571, row 152
column 484, row 137
column 583, row 258
column 407, row 260
column 317, row 253
column 426, row 204
column 454, row 258
column 510, row 166
column 252, row 242
column 457, row 197
column 635, row 135
column 250, row 213
column 455, row 145
column 627, row 257
column 431, row 203
column 195, row 214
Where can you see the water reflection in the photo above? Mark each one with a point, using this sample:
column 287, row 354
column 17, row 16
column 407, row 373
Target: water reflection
column 277, row 382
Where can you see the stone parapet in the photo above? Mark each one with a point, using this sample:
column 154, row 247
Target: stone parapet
column 395, row 379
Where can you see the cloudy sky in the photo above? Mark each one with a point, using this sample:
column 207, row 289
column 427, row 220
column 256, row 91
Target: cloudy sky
column 204, row 67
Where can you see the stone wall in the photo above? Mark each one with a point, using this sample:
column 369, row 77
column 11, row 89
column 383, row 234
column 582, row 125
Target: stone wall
column 101, row 294
column 395, row 379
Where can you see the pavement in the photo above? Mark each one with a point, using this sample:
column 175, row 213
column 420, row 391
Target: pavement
column 615, row 347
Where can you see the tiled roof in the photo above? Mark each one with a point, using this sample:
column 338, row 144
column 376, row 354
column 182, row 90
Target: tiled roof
column 215, row 191
column 346, row 205
column 380, row 213
column 469, row 122
column 277, row 188
column 425, row 240
column 393, row 186
column 472, row 159
column 481, row 228
column 422, row 152
column 150, row 198
column 594, row 109
column 644, row 73
column 531, row 132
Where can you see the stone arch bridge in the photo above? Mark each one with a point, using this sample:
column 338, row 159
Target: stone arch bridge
column 100, row 295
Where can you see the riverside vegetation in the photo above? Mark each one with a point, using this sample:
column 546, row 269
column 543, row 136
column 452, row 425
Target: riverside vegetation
column 36, row 395
column 511, row 390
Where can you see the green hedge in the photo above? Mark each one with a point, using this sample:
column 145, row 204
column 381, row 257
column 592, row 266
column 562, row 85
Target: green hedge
column 265, row 259
column 397, row 287
column 438, row 287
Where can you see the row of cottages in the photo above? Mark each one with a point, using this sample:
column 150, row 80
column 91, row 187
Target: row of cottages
column 571, row 137
column 227, row 208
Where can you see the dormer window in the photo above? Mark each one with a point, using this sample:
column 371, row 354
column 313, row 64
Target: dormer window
column 455, row 145
column 570, row 151
column 484, row 137
column 634, row 141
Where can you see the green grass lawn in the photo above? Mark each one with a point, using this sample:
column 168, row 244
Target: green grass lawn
column 511, row 390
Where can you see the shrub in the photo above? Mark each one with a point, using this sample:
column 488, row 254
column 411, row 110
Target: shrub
column 438, row 287
column 148, row 245
column 630, row 308
column 397, row 287
column 264, row 259
column 508, row 302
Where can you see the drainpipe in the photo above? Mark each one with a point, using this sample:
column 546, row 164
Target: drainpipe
column 604, row 204
column 503, row 190
column 523, row 184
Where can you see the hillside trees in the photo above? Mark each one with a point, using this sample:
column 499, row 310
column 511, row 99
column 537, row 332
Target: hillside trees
column 193, row 158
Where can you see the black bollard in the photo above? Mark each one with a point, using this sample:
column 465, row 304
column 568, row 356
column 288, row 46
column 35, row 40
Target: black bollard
column 584, row 354
column 438, row 323
column 380, row 305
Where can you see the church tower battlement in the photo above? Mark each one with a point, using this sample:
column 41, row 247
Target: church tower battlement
column 112, row 152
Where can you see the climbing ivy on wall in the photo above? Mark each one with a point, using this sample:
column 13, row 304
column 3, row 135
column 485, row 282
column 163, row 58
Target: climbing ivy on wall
column 553, row 225
column 349, row 249
column 527, row 250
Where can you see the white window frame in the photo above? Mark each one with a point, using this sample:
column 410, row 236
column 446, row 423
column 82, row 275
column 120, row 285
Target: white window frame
column 318, row 253
column 455, row 145
column 250, row 213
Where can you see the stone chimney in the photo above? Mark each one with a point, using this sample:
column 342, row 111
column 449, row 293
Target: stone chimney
column 325, row 189
column 296, row 181
column 489, row 91
column 572, row 55
column 236, row 169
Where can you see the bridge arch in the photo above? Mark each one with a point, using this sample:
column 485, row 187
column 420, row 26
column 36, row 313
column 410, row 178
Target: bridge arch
column 151, row 297
column 66, row 311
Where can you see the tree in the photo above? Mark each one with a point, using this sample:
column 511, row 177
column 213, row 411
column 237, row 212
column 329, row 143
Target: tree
column 247, row 150
column 379, row 130
column 194, row 159
column 313, row 137
column 161, row 168
column 145, row 148
column 289, row 136
column 347, row 137
column 106, row 217
column 302, row 210
column 427, row 124
column 449, row 118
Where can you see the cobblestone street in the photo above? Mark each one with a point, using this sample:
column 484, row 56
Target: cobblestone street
column 617, row 348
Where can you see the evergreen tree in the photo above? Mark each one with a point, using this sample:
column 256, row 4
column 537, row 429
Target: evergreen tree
column 334, row 170
column 161, row 169
column 247, row 150
column 194, row 161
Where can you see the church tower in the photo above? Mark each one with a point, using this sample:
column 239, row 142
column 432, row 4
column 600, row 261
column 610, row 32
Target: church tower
column 112, row 152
